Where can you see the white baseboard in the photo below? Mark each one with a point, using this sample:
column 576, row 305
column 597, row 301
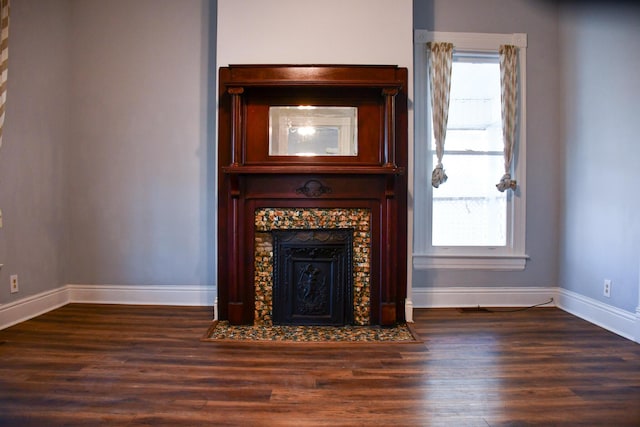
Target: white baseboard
column 30, row 307
column 447, row 297
column 408, row 310
column 193, row 295
column 637, row 335
column 618, row 321
column 613, row 319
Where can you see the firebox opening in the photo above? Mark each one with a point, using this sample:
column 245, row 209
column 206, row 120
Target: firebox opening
column 312, row 277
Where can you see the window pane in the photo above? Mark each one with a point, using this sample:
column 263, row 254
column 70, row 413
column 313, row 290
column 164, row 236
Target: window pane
column 474, row 140
column 475, row 121
column 467, row 209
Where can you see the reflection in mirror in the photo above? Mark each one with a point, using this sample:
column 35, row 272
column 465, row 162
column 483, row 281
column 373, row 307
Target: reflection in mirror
column 313, row 131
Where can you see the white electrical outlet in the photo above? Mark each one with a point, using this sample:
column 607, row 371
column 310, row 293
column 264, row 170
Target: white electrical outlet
column 14, row 283
column 606, row 291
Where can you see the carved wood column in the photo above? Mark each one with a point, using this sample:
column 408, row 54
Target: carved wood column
column 236, row 304
column 236, row 124
column 389, row 126
column 388, row 301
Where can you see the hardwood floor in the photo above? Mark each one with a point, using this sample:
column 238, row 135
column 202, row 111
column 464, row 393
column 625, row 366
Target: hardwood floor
column 140, row 365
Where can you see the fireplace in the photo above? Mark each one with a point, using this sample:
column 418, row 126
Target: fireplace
column 312, row 237
column 356, row 222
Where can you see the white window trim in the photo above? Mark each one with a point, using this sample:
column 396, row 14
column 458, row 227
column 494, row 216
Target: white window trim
column 513, row 257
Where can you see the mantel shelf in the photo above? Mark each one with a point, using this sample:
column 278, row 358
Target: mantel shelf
column 313, row 169
column 312, row 83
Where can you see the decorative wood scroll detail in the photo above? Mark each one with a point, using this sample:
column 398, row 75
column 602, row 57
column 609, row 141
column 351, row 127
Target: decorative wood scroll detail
column 313, row 188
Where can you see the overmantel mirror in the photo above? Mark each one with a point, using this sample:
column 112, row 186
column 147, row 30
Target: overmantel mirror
column 308, row 130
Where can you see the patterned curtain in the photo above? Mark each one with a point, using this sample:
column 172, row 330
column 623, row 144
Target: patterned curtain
column 508, row 73
column 4, row 58
column 440, row 60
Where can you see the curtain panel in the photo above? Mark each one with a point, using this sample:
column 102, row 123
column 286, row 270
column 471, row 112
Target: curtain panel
column 508, row 88
column 4, row 59
column 440, row 62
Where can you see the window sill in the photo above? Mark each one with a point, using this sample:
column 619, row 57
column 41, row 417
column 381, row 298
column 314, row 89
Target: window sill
column 470, row 262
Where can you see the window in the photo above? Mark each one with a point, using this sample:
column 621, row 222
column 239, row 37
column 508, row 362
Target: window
column 466, row 222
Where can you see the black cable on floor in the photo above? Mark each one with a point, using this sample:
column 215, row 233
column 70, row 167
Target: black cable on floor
column 519, row 309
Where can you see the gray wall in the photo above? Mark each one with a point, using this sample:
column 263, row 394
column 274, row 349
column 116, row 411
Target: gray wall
column 539, row 19
column 34, row 149
column 600, row 101
column 139, row 153
column 105, row 173
column 106, row 170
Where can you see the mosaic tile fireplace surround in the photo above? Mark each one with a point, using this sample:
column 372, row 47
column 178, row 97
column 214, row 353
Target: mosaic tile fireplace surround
column 268, row 219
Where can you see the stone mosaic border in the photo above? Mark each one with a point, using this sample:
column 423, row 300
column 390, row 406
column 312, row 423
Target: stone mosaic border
column 267, row 219
column 222, row 331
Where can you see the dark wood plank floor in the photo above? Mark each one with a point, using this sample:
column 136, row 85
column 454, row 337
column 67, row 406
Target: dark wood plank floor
column 139, row 365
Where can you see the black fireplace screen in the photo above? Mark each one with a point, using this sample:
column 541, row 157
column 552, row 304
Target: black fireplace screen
column 312, row 277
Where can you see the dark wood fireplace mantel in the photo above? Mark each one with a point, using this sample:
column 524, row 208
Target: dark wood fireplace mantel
column 250, row 178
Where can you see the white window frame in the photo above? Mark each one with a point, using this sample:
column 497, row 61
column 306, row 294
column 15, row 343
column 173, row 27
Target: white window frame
column 426, row 256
